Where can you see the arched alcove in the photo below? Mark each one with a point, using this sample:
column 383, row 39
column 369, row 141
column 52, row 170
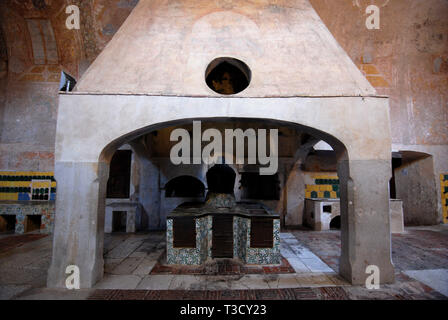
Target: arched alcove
column 221, row 179
column 184, row 187
column 415, row 184
column 335, row 223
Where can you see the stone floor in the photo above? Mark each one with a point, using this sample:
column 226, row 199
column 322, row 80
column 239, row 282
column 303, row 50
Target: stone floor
column 224, row 267
column 420, row 257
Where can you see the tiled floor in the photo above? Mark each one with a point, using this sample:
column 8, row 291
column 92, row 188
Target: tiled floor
column 130, row 260
column 14, row 241
column 420, row 257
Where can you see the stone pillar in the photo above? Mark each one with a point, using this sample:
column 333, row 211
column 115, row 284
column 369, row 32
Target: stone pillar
column 79, row 222
column 130, row 219
column 108, row 221
column 295, row 195
column 150, row 194
column 365, row 220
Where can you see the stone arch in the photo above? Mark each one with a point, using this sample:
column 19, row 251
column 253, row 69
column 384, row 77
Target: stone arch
column 362, row 147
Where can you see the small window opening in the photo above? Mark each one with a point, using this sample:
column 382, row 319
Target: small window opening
column 184, row 232
column 119, row 221
column 261, row 233
column 7, row 223
column 33, row 223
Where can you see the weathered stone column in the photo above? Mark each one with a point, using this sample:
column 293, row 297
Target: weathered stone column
column 365, row 220
column 79, row 222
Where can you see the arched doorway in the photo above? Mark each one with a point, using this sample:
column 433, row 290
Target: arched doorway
column 335, row 223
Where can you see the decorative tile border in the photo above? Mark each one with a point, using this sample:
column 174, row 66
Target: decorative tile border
column 185, row 256
column 45, row 209
column 27, row 185
column 240, row 237
column 324, row 187
column 264, row 255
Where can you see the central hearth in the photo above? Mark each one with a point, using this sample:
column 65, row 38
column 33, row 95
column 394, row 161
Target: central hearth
column 222, row 228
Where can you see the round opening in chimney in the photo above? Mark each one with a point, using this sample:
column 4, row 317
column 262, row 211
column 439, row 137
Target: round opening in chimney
column 228, row 75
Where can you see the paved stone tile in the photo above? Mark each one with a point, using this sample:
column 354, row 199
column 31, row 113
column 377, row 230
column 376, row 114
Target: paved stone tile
column 15, row 241
column 36, row 278
column 337, row 279
column 314, row 280
column 124, row 282
column 113, row 240
column 8, row 292
column 316, row 265
column 254, row 282
column 124, row 249
column 283, row 281
column 436, row 279
column 55, row 294
column 298, row 265
column 286, row 235
column 287, row 252
column 110, row 264
column 289, row 241
column 145, row 267
column 156, row 282
column 303, row 253
column 138, row 254
column 127, row 266
column 214, row 283
column 185, row 282
column 415, row 251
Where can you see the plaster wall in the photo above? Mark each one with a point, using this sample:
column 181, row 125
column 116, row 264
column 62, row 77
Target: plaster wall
column 342, row 118
column 28, row 130
column 416, row 187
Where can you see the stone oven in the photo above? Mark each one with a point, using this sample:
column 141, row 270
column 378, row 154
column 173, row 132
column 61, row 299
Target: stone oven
column 223, row 228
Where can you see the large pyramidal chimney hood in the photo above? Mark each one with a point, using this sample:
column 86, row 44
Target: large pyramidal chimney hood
column 164, row 48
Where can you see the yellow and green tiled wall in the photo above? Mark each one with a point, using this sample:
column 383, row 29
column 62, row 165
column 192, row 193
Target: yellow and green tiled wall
column 28, row 193
column 444, row 191
column 326, row 187
column 27, row 186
